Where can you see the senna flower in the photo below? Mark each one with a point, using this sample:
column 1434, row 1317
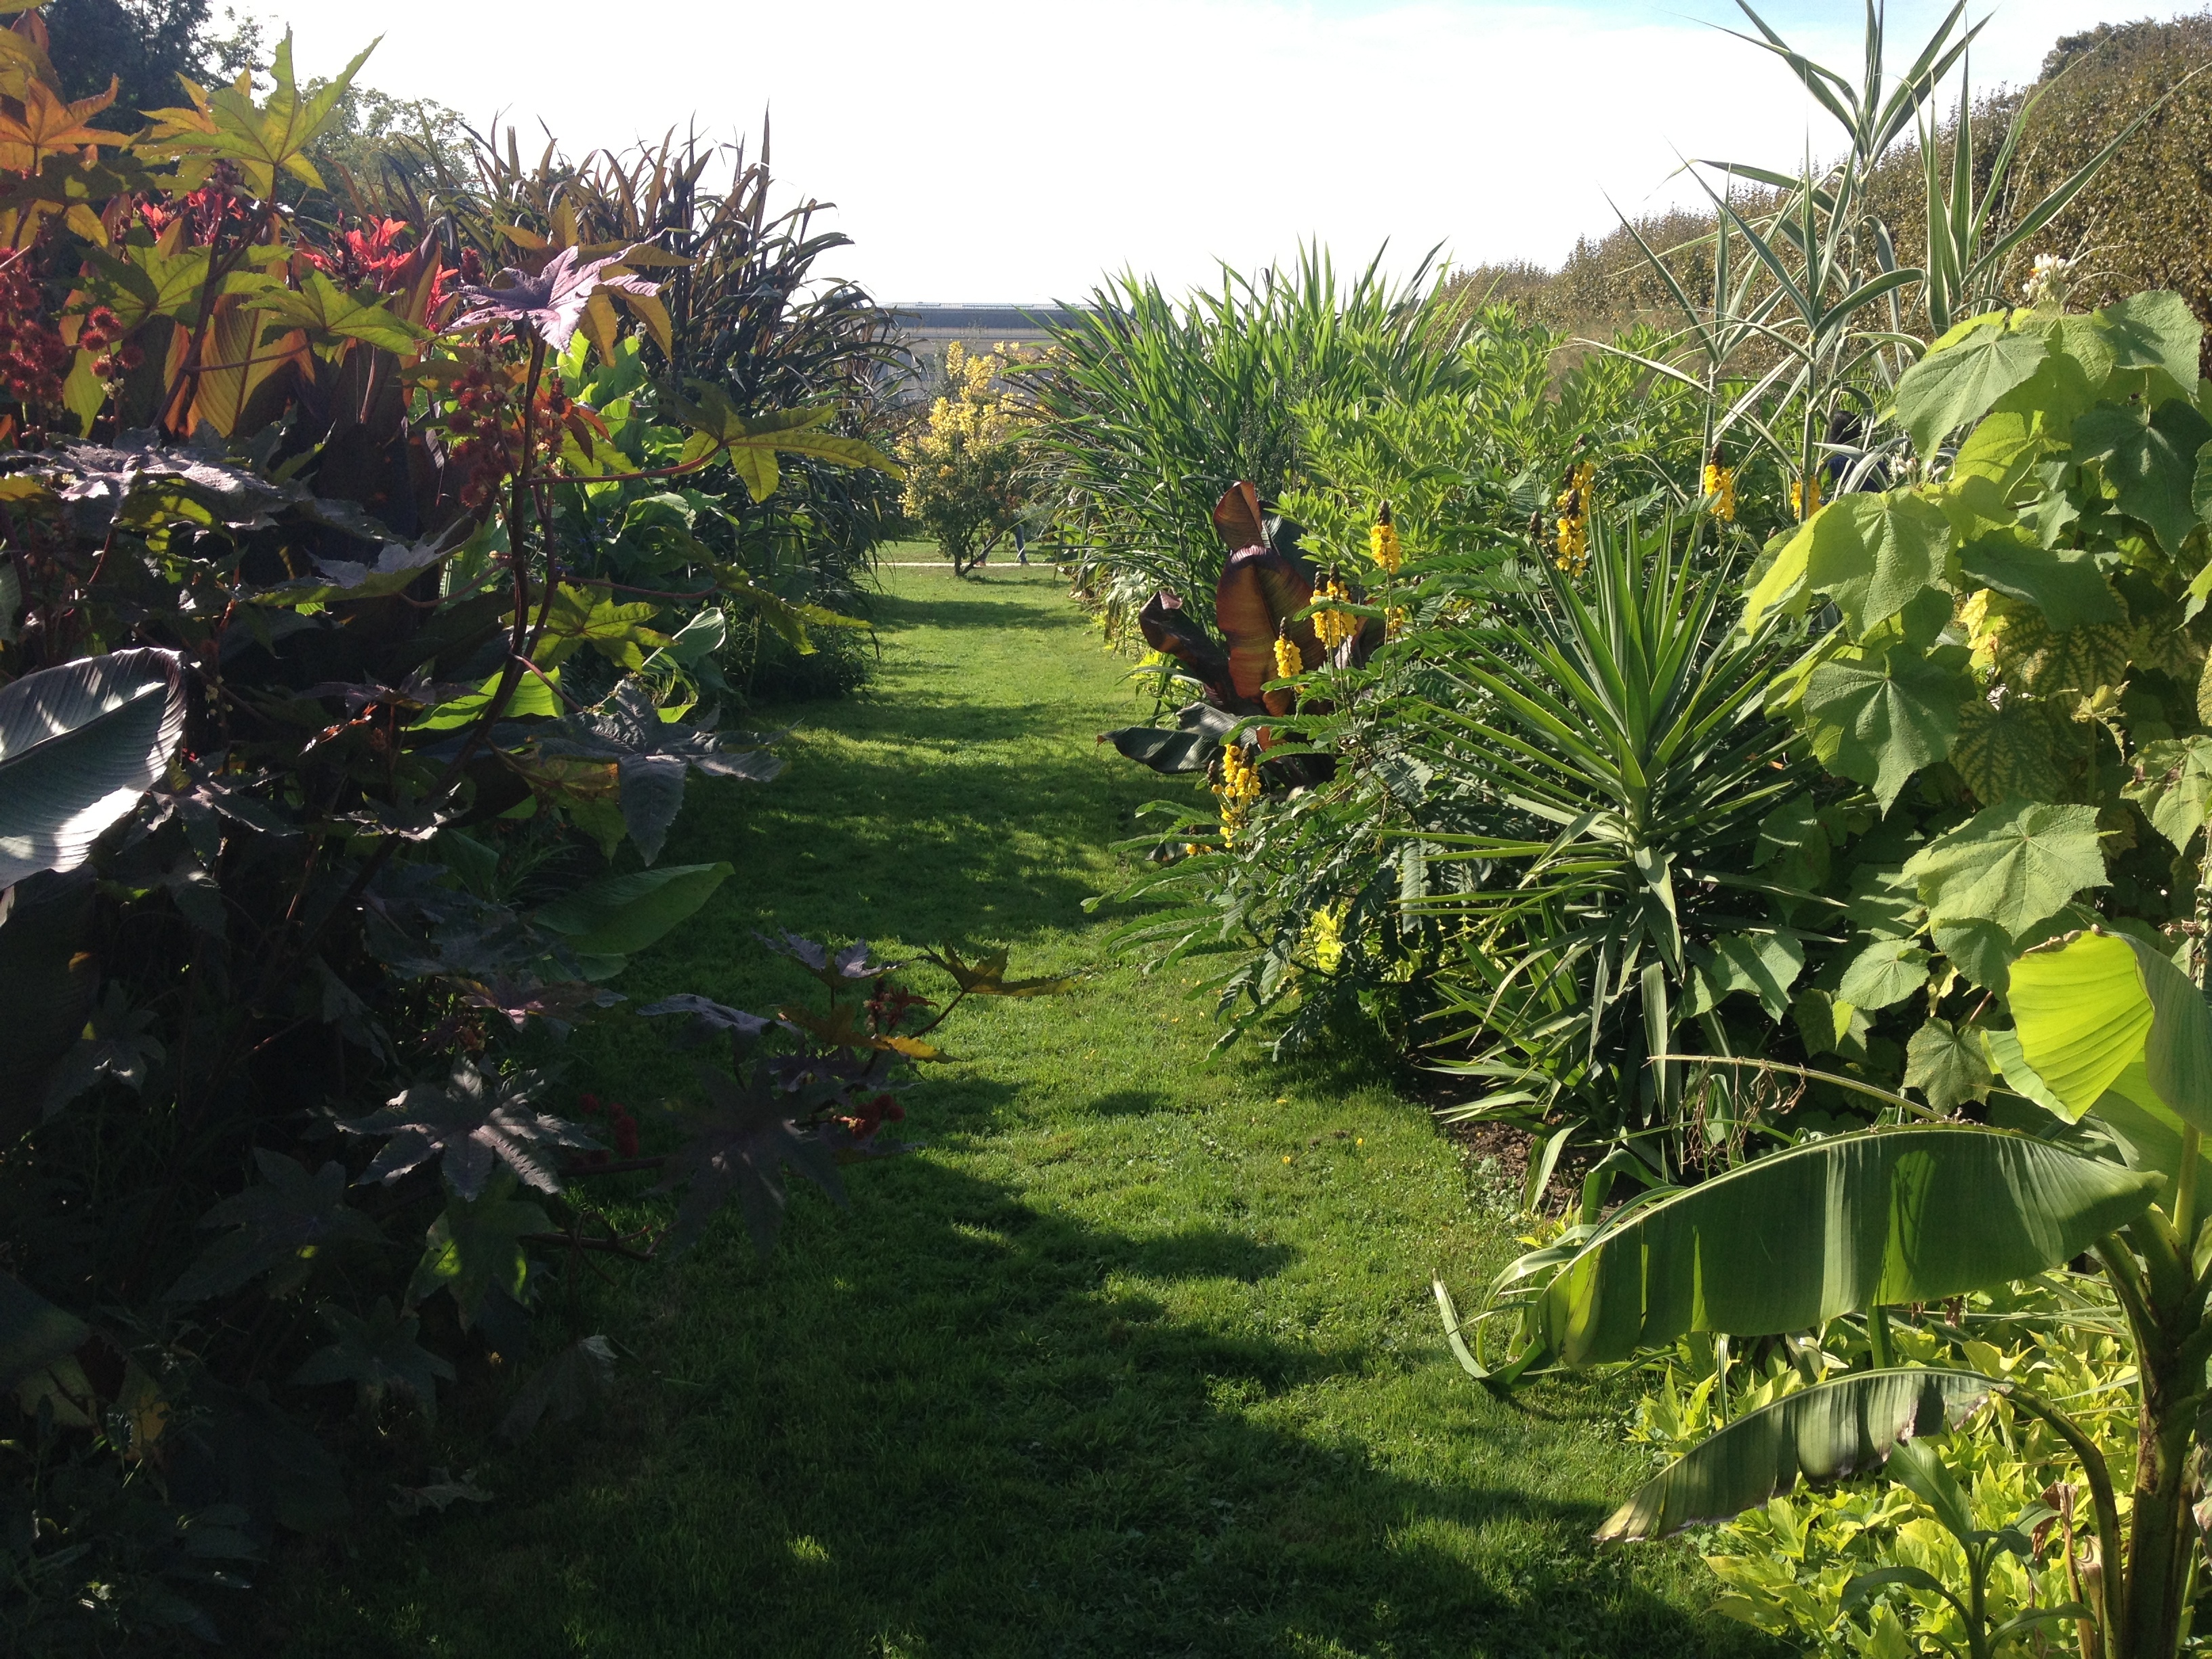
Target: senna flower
column 1572, row 531
column 1805, row 496
column 1383, row 542
column 1394, row 621
column 1288, row 664
column 1238, row 788
column 1325, row 935
column 1719, row 486
column 1333, row 627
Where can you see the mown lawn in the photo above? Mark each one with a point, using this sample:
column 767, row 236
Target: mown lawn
column 1137, row 1357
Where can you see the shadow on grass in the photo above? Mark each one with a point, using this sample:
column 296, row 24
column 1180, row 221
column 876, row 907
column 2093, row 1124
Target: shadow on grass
column 948, row 1422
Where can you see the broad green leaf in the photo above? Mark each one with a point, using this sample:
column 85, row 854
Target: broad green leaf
column 1879, row 721
column 1946, row 1064
column 563, row 1386
column 533, row 696
column 2173, row 787
column 1873, row 554
column 2003, row 448
column 2014, row 750
column 621, row 916
column 2011, row 864
column 33, row 1333
column 330, row 316
column 1765, row 964
column 2150, row 1135
column 474, row 1250
column 1958, row 383
column 2068, row 587
column 2042, row 407
column 1780, row 585
column 79, row 743
column 1888, row 970
column 1981, row 950
column 2154, row 330
column 2012, row 1068
column 1829, row 1026
column 2151, row 464
column 2081, row 1014
column 1829, row 1432
column 260, row 140
column 1795, row 1238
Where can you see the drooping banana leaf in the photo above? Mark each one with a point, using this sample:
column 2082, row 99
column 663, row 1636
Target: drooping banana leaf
column 1189, row 745
column 1889, row 1216
column 1827, row 1432
column 1171, row 631
column 79, row 743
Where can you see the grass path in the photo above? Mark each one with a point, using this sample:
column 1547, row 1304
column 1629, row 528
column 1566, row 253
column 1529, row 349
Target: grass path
column 1136, row 1358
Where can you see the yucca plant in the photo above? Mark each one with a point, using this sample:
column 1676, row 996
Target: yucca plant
column 1611, row 720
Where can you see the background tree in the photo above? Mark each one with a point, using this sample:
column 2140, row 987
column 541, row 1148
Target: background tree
column 963, row 460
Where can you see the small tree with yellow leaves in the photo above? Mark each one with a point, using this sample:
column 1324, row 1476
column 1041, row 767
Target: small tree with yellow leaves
column 963, row 460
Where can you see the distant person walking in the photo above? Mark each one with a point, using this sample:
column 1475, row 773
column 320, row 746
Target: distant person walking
column 1021, row 544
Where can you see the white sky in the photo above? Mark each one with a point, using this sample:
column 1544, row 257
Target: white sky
column 984, row 150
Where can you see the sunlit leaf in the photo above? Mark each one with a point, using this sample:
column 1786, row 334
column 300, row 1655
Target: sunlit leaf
column 2011, row 864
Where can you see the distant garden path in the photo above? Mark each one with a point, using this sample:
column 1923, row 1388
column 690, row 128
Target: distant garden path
column 1137, row 1357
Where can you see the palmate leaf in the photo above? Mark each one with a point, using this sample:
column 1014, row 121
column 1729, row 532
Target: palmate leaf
column 752, row 444
column 474, row 1251
column 281, row 1226
column 1795, row 1238
column 2012, row 864
column 260, row 140
column 328, row 315
column 1877, row 720
column 1963, row 374
column 738, row 1150
column 1946, row 1063
column 377, row 1354
column 2173, row 787
column 562, row 1387
column 2151, row 463
column 1831, row 1431
column 79, row 744
column 2154, row 330
column 473, row 1122
column 2068, row 587
column 2013, row 751
column 986, row 976
column 2100, row 1003
column 1887, row 971
column 651, row 757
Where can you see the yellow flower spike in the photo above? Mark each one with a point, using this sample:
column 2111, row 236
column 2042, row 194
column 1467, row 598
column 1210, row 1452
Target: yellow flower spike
column 1719, row 485
column 1288, row 664
column 1383, row 542
column 1396, row 621
column 1805, row 496
column 1571, row 530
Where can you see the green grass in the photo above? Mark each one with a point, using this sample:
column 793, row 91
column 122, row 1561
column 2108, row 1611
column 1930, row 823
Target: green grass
column 1137, row 1357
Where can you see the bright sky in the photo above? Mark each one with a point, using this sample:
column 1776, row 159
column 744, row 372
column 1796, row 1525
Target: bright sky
column 987, row 149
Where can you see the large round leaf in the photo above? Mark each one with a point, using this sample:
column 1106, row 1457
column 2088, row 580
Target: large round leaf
column 78, row 745
column 1827, row 1432
column 1889, row 1216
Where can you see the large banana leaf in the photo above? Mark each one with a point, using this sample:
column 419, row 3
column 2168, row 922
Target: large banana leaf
column 1828, row 1432
column 2102, row 1003
column 1783, row 1244
column 78, row 745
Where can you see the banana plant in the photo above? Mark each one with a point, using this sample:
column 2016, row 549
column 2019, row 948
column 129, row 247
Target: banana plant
column 2112, row 1044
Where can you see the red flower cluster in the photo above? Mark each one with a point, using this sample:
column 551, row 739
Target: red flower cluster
column 620, row 1123
column 370, row 253
column 32, row 358
column 103, row 329
column 486, row 426
column 206, row 212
